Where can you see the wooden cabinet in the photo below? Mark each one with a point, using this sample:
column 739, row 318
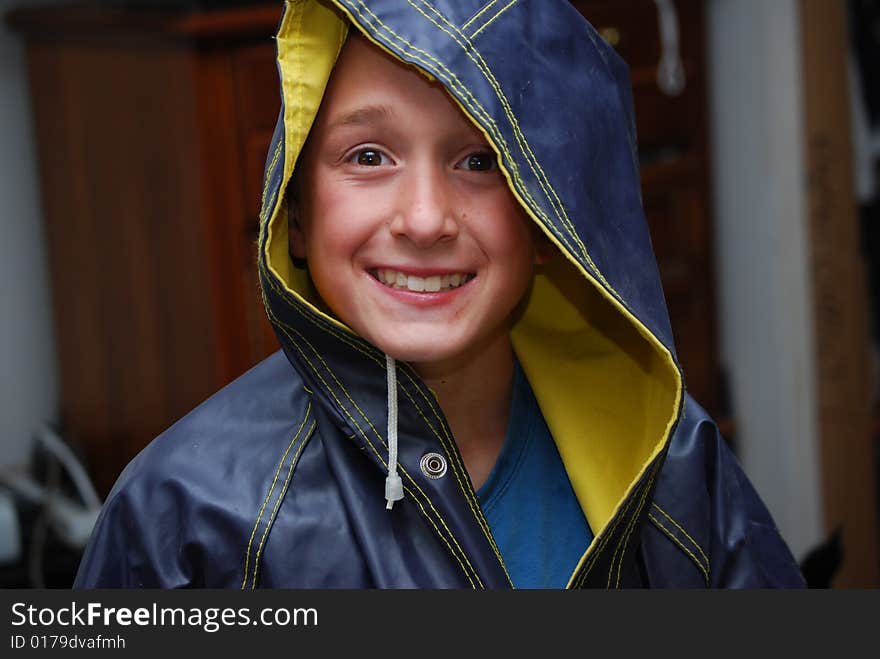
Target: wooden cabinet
column 153, row 128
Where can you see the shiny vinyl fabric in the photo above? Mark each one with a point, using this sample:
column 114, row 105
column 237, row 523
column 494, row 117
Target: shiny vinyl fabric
column 278, row 479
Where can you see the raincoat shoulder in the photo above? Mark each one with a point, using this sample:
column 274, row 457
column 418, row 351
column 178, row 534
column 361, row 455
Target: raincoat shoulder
column 706, row 525
column 183, row 511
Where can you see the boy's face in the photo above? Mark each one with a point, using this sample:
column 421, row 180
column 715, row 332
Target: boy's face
column 411, row 234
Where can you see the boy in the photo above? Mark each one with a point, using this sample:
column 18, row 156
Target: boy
column 478, row 387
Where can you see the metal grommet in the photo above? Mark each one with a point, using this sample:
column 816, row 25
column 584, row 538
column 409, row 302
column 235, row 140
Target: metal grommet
column 433, row 465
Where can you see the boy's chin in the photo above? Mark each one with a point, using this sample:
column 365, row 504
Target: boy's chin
column 417, row 354
column 439, row 355
column 425, row 350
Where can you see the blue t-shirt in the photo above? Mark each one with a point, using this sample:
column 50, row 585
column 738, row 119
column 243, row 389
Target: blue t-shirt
column 528, row 501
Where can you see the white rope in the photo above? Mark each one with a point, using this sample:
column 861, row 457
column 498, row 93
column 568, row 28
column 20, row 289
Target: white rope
column 393, row 484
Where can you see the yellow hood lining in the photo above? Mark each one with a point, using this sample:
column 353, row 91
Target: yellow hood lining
column 609, row 390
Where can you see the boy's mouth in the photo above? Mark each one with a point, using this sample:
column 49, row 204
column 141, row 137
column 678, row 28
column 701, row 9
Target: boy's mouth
column 430, row 284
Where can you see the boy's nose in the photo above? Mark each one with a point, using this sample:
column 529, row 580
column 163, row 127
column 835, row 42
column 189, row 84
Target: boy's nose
column 425, row 212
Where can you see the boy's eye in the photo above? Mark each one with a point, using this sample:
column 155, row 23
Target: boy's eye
column 481, row 161
column 370, row 158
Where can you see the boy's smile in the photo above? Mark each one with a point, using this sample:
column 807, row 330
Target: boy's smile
column 411, row 234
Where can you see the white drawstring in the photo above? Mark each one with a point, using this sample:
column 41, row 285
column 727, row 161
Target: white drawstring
column 393, row 484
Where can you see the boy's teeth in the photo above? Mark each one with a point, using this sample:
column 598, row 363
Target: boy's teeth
column 431, row 284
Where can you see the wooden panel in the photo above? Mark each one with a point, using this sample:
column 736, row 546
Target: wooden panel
column 258, row 104
column 257, row 87
column 117, row 171
column 148, row 124
column 98, row 21
column 846, row 451
column 668, row 126
column 220, row 191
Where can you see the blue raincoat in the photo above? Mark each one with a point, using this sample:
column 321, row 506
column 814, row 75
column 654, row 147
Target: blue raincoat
column 278, row 479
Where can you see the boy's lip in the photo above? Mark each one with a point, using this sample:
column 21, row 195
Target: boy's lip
column 423, row 298
column 420, row 271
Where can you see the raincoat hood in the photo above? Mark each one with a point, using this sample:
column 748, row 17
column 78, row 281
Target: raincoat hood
column 553, row 100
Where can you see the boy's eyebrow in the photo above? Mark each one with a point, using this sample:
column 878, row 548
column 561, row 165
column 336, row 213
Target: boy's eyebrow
column 370, row 114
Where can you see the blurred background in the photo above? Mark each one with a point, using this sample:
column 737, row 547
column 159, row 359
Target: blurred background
column 134, row 135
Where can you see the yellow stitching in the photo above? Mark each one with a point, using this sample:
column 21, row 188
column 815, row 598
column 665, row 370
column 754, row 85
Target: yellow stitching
column 495, row 131
column 520, row 137
column 588, row 567
column 278, row 501
column 680, row 544
column 264, row 212
column 370, row 444
column 269, row 495
column 489, row 22
column 525, row 147
column 695, row 543
column 308, row 391
column 478, row 14
column 378, row 455
column 413, row 495
column 491, row 126
column 270, row 170
column 266, row 501
column 621, row 543
column 382, row 461
column 454, row 83
column 381, row 440
column 672, row 536
column 591, row 562
column 627, row 534
column 631, row 527
column 456, row 464
column 511, row 116
column 317, row 354
column 524, row 190
column 457, row 467
column 518, row 133
column 477, row 511
column 609, row 533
